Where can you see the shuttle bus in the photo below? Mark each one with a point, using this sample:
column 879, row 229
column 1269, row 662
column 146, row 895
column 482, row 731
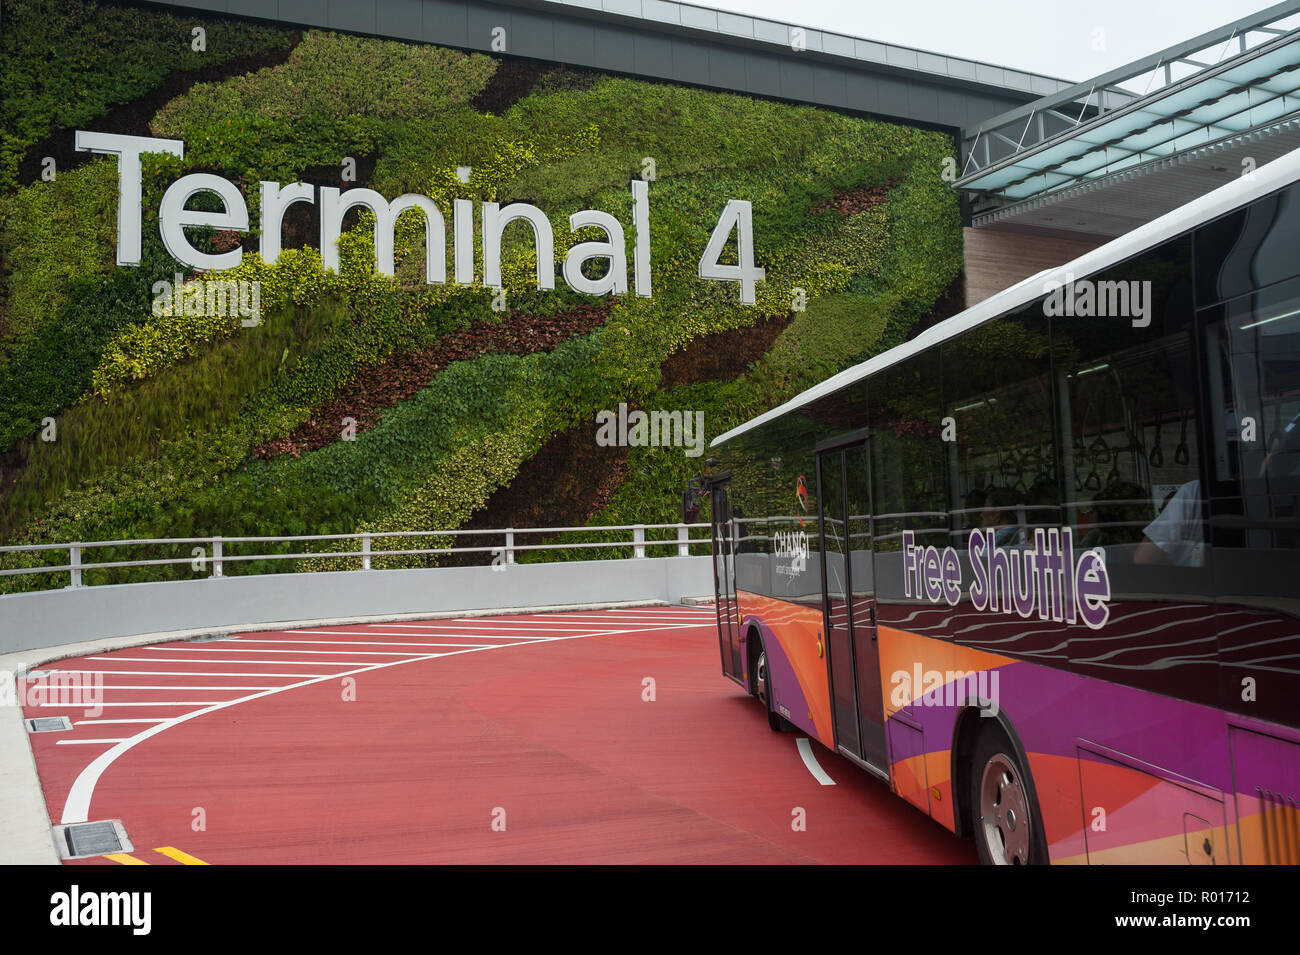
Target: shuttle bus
column 1037, row 568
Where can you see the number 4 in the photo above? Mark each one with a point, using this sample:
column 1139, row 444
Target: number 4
column 738, row 215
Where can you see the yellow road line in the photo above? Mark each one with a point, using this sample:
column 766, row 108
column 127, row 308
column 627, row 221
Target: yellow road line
column 121, row 858
column 182, row 857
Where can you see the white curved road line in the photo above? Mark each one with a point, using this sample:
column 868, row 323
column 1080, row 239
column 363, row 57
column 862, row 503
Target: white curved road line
column 76, row 808
column 809, row 760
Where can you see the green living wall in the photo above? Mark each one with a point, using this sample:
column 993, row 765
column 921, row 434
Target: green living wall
column 190, row 427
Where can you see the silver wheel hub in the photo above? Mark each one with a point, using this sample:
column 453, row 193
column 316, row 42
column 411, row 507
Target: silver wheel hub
column 760, row 678
column 1004, row 813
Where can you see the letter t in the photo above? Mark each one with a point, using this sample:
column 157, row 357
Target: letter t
column 129, row 177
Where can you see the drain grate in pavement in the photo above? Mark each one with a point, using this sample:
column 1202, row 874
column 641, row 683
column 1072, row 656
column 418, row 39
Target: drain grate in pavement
column 84, row 839
column 49, row 724
column 209, row 637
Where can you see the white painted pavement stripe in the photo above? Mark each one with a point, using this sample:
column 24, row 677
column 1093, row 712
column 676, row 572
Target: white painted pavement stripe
column 375, row 643
column 663, row 616
column 622, row 621
column 809, row 760
column 300, row 663
column 135, row 686
column 74, row 742
column 363, row 653
column 251, row 676
column 99, row 722
column 474, row 628
column 97, row 706
column 562, row 617
column 385, row 633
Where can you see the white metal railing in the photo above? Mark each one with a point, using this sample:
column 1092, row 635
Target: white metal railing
column 219, row 557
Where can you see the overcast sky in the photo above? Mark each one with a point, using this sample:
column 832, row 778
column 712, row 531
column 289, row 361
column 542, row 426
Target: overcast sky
column 1043, row 36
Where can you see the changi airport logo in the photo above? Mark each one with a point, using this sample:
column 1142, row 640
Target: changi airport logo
column 174, row 218
column 1089, row 299
column 794, row 545
column 1046, row 580
column 210, row 298
column 652, row 429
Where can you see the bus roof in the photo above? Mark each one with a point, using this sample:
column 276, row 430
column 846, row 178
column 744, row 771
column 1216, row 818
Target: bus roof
column 1268, row 178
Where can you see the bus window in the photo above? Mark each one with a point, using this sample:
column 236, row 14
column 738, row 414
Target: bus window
column 1129, row 396
column 1253, row 344
column 1127, row 392
column 1248, row 249
column 1000, row 445
column 908, row 481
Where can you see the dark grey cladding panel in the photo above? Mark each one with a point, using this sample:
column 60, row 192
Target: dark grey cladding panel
column 614, row 50
column 483, row 20
column 727, row 69
column 923, row 103
column 691, row 62
column 763, row 74
column 531, row 35
column 892, row 96
column 576, row 44
column 976, row 107
column 445, row 21
column 862, row 91
column 653, row 56
column 829, row 86
column 246, row 8
column 798, row 80
column 357, row 16
column 306, row 12
column 954, row 111
column 401, row 19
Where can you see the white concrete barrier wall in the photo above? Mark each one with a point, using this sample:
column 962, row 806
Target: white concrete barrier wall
column 73, row 615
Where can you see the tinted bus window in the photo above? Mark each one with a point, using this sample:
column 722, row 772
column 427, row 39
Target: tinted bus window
column 1002, row 467
column 1128, row 389
column 1249, row 249
column 909, row 477
column 997, row 391
column 1253, row 377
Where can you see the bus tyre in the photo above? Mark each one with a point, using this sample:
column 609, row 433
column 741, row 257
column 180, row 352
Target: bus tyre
column 1008, row 826
column 763, row 690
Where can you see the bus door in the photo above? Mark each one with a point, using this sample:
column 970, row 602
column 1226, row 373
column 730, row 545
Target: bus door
column 724, row 583
column 849, row 604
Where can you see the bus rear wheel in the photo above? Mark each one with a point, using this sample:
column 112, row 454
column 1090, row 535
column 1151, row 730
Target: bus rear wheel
column 1008, row 826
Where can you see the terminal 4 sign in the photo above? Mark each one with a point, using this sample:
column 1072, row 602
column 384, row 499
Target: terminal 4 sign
column 174, row 218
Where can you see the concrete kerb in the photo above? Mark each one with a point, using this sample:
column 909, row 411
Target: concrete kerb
column 26, row 831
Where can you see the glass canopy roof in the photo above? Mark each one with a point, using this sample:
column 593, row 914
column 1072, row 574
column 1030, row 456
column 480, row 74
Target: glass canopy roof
column 1245, row 93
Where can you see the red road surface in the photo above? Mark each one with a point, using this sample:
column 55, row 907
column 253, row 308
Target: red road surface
column 403, row 743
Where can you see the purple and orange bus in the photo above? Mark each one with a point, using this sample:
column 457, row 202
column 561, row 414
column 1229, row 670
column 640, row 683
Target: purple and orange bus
column 1038, row 568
